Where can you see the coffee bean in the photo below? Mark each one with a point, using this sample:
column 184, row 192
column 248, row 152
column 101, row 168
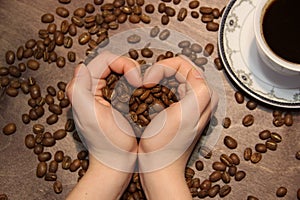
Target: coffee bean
column 98, row 2
column 226, row 160
column 66, row 162
column 205, row 152
column 205, row 18
column 39, row 111
column 53, row 166
column 171, row 12
column 12, row 92
column 208, row 49
column 33, row 64
column 49, row 176
column 212, row 26
column 25, row 118
column 57, row 187
column 60, row 95
column 68, row 42
column 59, row 134
column 75, row 165
column 133, row 54
column 186, row 51
column 59, row 156
column 226, row 122
column 226, row 177
column 194, row 4
column 64, row 1
column 145, row 18
column 52, row 119
column 14, row 71
column 213, row 191
column 82, row 154
column 232, row 170
column 47, row 18
column 235, row 158
column 199, row 165
column 134, row 19
column 247, row 154
column 71, row 56
column 89, row 8
column 164, row 34
column 230, row 142
column 240, row 175
column 62, row 85
column 265, row 134
column 298, row 194
column 250, row 197
column 30, row 44
column 49, row 99
column 4, row 71
column 149, row 8
column 133, row 39
column 35, row 91
column 219, row 166
column 281, row 192
column 261, row 148
column 51, row 90
column 297, row 155
column 56, row 109
column 62, row 12
column 215, row 176
column 9, row 128
column 256, row 157
column 276, row 137
column 288, row 119
column 146, row 52
column 271, row 145
column 29, row 141
column 154, row 31
column 70, row 125
column 3, row 197
column 248, row 120
column 196, row 48
column 41, row 169
column 10, row 57
column 218, row 63
column 164, row 19
column 277, row 113
column 85, row 164
column 200, row 61
column 45, row 156
column 224, row 190
column 84, row 38
column 184, row 44
column 161, row 7
column 189, row 172
column 205, row 185
column 48, row 141
column 38, row 128
column 251, row 105
column 64, row 103
column 278, row 121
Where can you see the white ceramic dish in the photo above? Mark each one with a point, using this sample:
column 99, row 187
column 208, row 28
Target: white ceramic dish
column 239, row 54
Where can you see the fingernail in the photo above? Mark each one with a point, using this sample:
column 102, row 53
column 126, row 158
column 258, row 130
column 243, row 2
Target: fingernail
column 197, row 73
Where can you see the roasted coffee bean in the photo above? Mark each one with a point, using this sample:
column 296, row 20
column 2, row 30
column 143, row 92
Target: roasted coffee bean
column 213, row 191
column 25, row 118
column 194, row 4
column 189, row 172
column 134, row 18
column 4, row 71
column 62, row 12
column 215, row 176
column 3, row 196
column 199, row 165
column 202, row 194
column 98, row 2
column 72, row 30
column 297, row 155
column 288, row 119
column 271, row 145
column 82, row 154
column 232, row 170
column 161, row 7
column 33, row 64
column 230, row 142
column 57, row 187
column 277, row 113
column 250, row 197
column 52, row 119
column 41, row 169
column 60, row 62
column 51, row 48
column 278, row 121
column 53, row 166
column 226, row 177
column 276, row 137
column 71, row 56
column 84, row 38
column 200, row 61
column 60, row 95
column 226, row 122
column 62, row 85
column 49, row 99
column 164, row 19
column 133, row 54
column 247, row 154
column 22, row 67
column 45, row 156
column 154, row 31
column 251, row 105
column 30, row 44
column 133, row 39
column 216, row 13
column 20, row 52
column 68, row 42
column 226, row 160
column 218, row 63
column 9, row 128
column 59, row 134
column 184, row 44
column 164, row 34
column 186, row 51
column 47, row 18
column 48, row 141
column 51, row 90
column 205, row 10
column 10, row 57
column 219, row 166
column 56, row 109
column 70, row 125
column 281, row 192
column 145, row 18
column 235, row 158
column 59, row 156
column 4, row 81
column 146, row 52
column 40, row 111
column 240, row 175
column 256, row 157
column 208, row 49
column 248, row 120
column 261, row 148
column 196, row 48
column 14, row 71
column 224, row 190
column 79, row 12
column 35, row 91
column 33, row 115
column 85, row 164
column 265, row 134
column 29, row 141
column 205, row 185
column 28, row 53
column 52, row 28
column 75, row 165
column 182, row 14
column 171, row 12
column 25, row 87
column 49, row 176
column 38, row 128
column 89, row 8
column 64, row 103
column 122, row 18
column 12, row 92
column 212, row 26
column 38, row 149
column 149, row 8
column 66, row 162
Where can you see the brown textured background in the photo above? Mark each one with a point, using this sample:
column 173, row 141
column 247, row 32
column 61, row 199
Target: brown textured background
column 20, row 21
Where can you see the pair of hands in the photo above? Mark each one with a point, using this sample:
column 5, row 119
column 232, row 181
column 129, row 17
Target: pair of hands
column 167, row 141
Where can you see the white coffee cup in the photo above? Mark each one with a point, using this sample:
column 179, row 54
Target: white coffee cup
column 272, row 60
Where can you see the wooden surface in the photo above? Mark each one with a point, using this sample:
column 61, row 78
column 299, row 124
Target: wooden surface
column 20, row 21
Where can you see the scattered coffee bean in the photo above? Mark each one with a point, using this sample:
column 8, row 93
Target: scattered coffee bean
column 164, row 19
column 33, row 64
column 205, row 10
column 265, row 134
column 235, row 158
column 219, row 166
column 247, row 154
column 278, row 121
column 59, row 156
column 52, row 119
column 288, row 119
column 189, row 172
column 56, row 109
column 224, row 190
column 38, row 128
column 297, row 155
column 230, row 142
column 215, row 176
column 212, row 26
column 164, row 34
column 45, row 156
column 66, row 162
column 248, row 120
column 201, row 61
column 29, row 141
column 48, row 141
column 146, row 52
column 216, row 13
column 82, row 154
column 250, row 197
column 149, row 8
column 276, row 137
column 12, row 92
column 226, row 160
column 208, row 49
column 49, row 176
column 10, row 57
column 62, row 12
column 47, row 18
column 134, row 18
column 154, row 31
column 75, row 165
column 9, row 128
column 251, row 105
column 3, row 196
column 261, row 148
column 240, row 175
column 14, row 71
column 281, row 192
column 207, row 18
column 194, row 4
column 213, row 191
column 59, row 134
column 226, row 177
column 57, row 187
column 89, row 8
column 239, row 97
column 133, row 39
column 256, row 157
column 205, row 185
column 41, row 169
column 182, row 14
column 232, row 170
column 271, row 145
column 199, row 165
column 226, row 122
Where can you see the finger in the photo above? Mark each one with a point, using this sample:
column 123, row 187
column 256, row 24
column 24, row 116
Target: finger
column 106, row 62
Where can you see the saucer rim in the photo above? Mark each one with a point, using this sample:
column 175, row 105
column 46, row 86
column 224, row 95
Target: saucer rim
column 234, row 77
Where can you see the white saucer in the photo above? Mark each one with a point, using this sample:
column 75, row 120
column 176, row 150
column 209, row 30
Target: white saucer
column 239, row 54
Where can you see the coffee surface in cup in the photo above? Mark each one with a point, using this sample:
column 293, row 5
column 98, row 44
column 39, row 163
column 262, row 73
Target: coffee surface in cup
column 281, row 29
